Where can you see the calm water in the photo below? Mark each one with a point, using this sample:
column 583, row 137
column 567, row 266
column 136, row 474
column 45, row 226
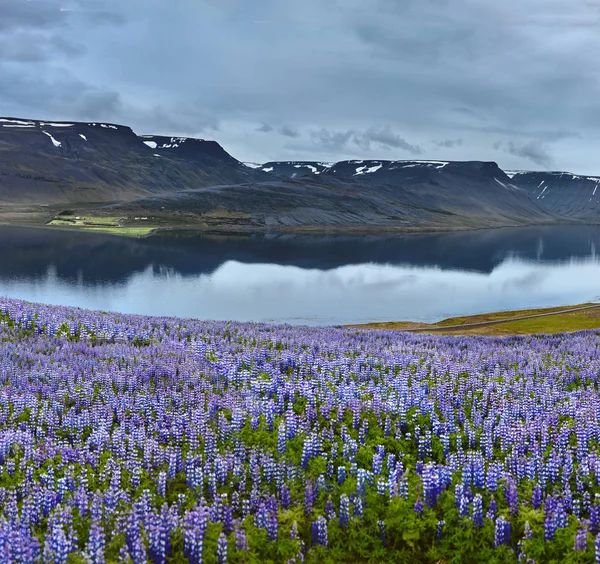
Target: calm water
column 305, row 279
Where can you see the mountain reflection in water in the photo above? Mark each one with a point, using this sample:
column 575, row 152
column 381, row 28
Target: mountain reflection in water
column 304, row 279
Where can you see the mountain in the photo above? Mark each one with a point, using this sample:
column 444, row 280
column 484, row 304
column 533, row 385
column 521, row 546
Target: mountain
column 357, row 195
column 181, row 181
column 67, row 162
column 564, row 193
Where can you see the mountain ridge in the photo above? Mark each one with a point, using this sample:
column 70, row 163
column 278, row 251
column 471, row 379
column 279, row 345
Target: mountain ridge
column 197, row 182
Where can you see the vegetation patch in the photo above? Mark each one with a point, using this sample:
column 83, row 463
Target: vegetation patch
column 558, row 322
column 134, row 227
column 137, row 439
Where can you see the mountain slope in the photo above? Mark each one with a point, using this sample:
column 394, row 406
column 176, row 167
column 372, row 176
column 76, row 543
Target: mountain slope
column 458, row 195
column 562, row 192
column 109, row 169
column 53, row 162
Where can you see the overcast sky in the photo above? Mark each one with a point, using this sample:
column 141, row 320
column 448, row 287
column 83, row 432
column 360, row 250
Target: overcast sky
column 515, row 81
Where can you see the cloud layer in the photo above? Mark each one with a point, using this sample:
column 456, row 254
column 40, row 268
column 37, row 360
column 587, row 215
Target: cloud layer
column 512, row 81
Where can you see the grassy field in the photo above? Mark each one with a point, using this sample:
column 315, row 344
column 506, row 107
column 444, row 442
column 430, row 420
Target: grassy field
column 114, row 225
column 574, row 321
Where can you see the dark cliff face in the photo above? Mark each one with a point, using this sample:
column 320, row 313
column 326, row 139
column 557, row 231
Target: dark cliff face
column 562, row 192
column 60, row 162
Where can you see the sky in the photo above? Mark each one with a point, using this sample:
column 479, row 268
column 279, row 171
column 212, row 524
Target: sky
column 516, row 81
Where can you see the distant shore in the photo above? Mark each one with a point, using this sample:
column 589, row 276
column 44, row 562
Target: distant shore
column 49, row 216
column 520, row 322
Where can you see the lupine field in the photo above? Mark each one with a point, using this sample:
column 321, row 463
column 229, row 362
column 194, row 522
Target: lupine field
column 137, row 439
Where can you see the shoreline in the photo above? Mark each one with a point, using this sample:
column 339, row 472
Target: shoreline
column 40, row 220
column 504, row 323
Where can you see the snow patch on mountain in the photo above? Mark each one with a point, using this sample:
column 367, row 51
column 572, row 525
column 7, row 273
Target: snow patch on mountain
column 367, row 170
column 56, row 143
column 16, row 121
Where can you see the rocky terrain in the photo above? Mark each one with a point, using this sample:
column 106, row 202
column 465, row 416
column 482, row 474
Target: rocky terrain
column 60, row 162
column 562, row 192
column 108, row 170
column 455, row 195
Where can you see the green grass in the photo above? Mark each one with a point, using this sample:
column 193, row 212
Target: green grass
column 566, row 322
column 102, row 224
column 130, row 231
column 553, row 324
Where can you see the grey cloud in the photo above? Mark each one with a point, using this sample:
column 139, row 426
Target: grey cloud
column 332, row 141
column 191, row 120
column 386, row 138
column 27, row 47
column 48, row 14
column 64, row 96
column 533, row 151
column 17, row 14
column 368, row 140
column 288, row 131
column 436, row 72
column 449, row 143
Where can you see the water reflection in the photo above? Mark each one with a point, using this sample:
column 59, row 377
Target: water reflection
column 314, row 280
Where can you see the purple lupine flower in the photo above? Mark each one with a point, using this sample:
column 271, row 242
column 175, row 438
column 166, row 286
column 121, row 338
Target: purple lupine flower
column 344, row 511
column 272, row 526
column 222, row 549
column 319, row 532
column 382, row 535
column 96, row 543
column 478, row 511
column 458, row 495
column 464, row 506
column 358, row 507
column 162, row 484
column 512, row 496
column 418, row 508
column 580, row 540
column 285, row 497
column 241, row 541
column 492, row 508
column 536, row 497
column 597, row 549
column 57, row 546
column 550, row 526
column 403, row 487
column 329, row 509
column 595, row 518
column 439, row 531
column 502, row 532
column 195, row 523
column 309, row 497
column 281, row 438
column 294, row 531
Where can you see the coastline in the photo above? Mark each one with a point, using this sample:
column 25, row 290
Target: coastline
column 505, row 323
column 38, row 216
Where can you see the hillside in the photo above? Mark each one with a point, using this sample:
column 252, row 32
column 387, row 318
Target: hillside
column 108, row 170
column 179, row 440
column 562, row 192
column 457, row 195
column 60, row 162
